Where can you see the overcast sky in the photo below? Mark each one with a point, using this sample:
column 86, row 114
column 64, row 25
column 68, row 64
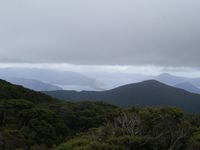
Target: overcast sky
column 101, row 32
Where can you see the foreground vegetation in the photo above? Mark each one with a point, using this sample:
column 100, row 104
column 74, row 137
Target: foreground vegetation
column 141, row 129
column 34, row 121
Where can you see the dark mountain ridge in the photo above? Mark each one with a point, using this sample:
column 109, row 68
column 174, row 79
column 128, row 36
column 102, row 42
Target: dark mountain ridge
column 146, row 93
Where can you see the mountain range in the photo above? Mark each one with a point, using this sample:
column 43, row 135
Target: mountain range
column 52, row 80
column 146, row 93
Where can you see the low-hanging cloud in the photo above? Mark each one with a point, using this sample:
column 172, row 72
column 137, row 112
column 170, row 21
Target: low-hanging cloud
column 101, row 32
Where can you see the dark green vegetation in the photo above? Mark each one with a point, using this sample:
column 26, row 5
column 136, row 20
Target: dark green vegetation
column 33, row 121
column 147, row 93
column 141, row 129
column 10, row 91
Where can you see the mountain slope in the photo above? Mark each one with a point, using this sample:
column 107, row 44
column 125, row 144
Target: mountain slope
column 188, row 87
column 33, row 120
column 147, row 93
column 10, row 91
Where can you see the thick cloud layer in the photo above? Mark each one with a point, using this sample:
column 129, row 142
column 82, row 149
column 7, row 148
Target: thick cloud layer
column 105, row 32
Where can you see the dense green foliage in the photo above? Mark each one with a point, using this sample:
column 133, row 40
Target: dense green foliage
column 33, row 121
column 26, row 125
column 33, row 125
column 141, row 129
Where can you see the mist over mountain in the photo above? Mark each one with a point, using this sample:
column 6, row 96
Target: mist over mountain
column 63, row 79
column 113, row 80
column 90, row 81
column 173, row 80
column 169, row 79
column 33, row 84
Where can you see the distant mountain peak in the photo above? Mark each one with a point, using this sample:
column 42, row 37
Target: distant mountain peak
column 150, row 83
column 188, row 87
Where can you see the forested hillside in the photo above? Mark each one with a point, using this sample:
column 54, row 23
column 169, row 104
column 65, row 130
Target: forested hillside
column 33, row 121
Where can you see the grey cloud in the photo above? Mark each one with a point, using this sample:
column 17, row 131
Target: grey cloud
column 104, row 32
